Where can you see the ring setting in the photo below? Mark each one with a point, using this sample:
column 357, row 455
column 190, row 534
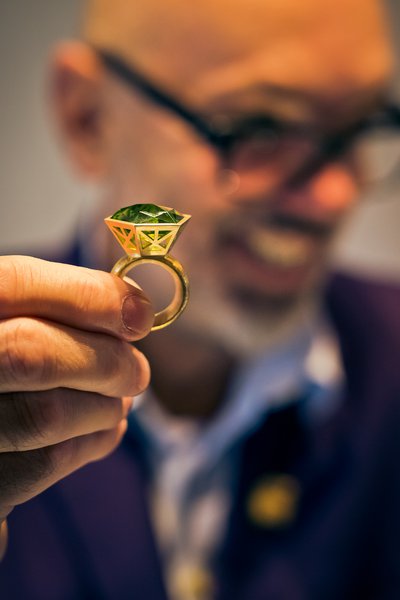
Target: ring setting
column 147, row 232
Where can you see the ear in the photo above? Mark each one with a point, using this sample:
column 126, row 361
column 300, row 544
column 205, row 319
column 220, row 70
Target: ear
column 76, row 98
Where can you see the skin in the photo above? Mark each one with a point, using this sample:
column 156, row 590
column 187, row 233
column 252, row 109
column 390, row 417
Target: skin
column 67, row 371
column 65, row 362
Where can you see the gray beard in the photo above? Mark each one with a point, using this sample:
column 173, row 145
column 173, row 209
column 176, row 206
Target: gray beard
column 239, row 330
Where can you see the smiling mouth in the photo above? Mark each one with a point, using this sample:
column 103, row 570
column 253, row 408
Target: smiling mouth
column 282, row 242
column 283, row 249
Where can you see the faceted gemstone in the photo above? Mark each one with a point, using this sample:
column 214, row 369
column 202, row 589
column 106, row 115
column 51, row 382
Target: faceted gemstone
column 147, row 213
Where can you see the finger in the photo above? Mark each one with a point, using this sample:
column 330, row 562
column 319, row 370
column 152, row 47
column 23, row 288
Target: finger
column 83, row 298
column 40, row 355
column 23, row 475
column 37, row 419
column 3, row 538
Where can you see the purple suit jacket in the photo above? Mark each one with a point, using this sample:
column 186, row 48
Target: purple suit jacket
column 90, row 535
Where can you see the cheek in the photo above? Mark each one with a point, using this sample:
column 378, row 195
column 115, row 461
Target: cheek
column 148, row 165
column 335, row 190
column 188, row 177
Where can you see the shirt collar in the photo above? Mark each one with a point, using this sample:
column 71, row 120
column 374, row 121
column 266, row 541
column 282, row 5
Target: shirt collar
column 308, row 362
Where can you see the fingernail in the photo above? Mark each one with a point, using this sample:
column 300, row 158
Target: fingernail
column 137, row 314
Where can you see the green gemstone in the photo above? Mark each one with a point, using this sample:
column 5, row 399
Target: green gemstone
column 147, row 213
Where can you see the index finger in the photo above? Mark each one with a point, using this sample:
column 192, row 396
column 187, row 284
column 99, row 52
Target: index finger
column 75, row 296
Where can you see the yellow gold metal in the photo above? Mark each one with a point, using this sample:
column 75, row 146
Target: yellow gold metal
column 146, row 239
column 150, row 243
column 173, row 310
column 274, row 500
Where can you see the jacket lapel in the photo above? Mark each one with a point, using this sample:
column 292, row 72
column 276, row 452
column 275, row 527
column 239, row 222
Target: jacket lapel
column 110, row 538
column 282, row 478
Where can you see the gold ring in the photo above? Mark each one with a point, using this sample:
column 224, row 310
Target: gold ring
column 147, row 232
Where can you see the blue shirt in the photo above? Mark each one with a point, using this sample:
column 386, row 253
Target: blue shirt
column 194, row 464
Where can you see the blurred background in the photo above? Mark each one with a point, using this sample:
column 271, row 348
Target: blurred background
column 40, row 202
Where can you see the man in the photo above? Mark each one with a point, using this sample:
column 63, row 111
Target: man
column 255, row 467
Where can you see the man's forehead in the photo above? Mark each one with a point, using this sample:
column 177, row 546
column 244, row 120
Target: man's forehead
column 196, row 48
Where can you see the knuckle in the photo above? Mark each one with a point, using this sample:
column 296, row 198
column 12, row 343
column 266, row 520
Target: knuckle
column 29, row 420
column 62, row 455
column 17, row 354
column 123, row 373
column 19, row 427
column 40, row 418
column 108, row 447
column 87, row 292
column 95, row 292
column 8, row 275
column 20, row 473
column 142, row 373
column 106, row 443
column 132, row 374
column 112, row 409
column 43, row 463
column 71, row 454
column 104, row 294
column 120, row 410
column 16, row 272
column 24, row 355
column 115, row 364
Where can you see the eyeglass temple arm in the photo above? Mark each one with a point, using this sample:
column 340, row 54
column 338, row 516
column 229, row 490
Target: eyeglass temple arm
column 135, row 79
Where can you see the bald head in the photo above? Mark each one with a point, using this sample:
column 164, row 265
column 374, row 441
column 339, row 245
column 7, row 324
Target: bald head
column 189, row 47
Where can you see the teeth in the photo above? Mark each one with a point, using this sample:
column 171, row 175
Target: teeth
column 281, row 248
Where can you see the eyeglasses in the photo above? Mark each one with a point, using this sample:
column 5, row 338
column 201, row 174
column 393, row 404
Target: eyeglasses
column 283, row 152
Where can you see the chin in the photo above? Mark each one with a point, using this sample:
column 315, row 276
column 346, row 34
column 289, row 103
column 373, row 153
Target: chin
column 244, row 321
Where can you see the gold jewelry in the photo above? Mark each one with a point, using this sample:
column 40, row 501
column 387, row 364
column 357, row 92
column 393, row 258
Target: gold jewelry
column 147, row 232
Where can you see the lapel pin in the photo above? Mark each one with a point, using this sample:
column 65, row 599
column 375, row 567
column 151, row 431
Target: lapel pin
column 273, row 501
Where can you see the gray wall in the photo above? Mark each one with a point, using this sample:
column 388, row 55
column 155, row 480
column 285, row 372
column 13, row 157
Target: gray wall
column 34, row 181
column 39, row 199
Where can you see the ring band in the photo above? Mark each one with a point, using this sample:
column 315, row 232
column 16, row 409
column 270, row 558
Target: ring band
column 147, row 232
column 181, row 296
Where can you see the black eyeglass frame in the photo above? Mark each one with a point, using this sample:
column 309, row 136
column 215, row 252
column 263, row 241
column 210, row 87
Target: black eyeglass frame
column 224, row 139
